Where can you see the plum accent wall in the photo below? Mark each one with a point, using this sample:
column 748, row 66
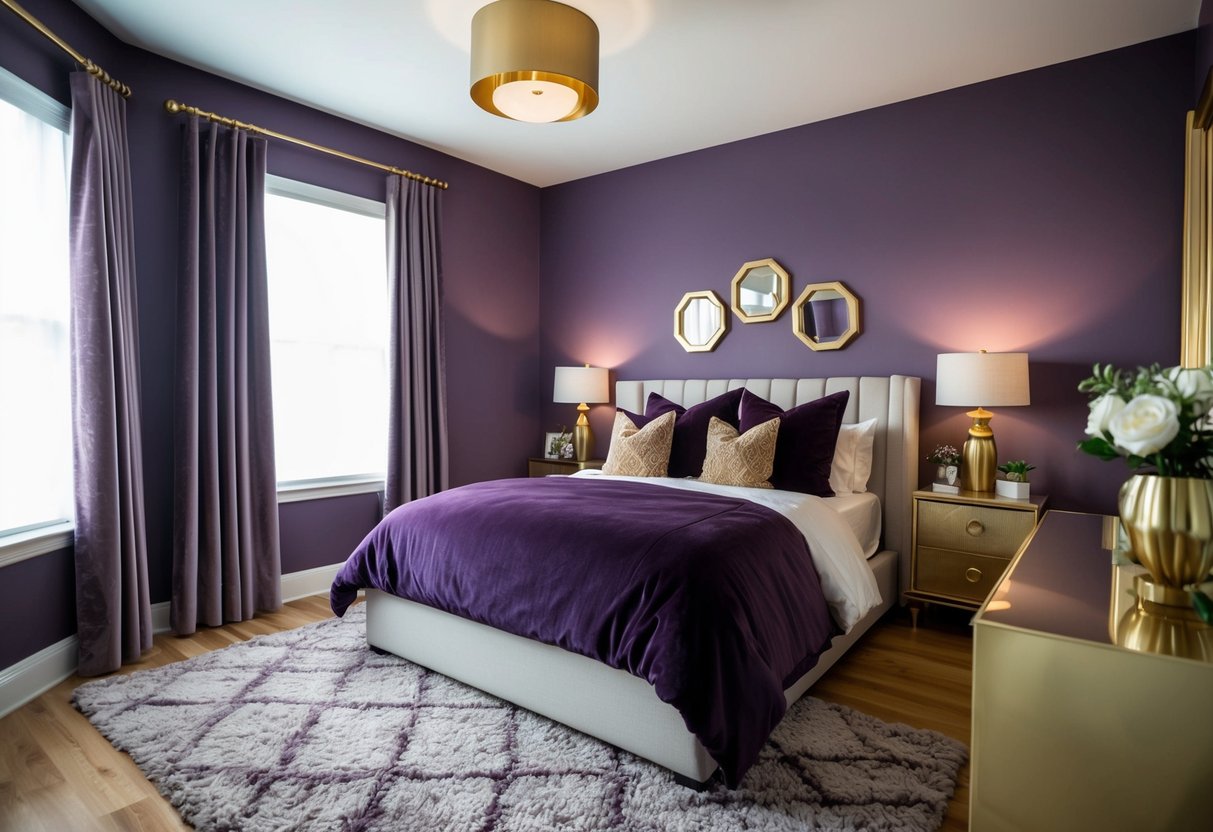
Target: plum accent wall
column 491, row 267
column 1204, row 46
column 1040, row 212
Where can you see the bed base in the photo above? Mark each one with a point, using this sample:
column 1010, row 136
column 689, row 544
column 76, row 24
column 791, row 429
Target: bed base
column 585, row 694
column 614, row 705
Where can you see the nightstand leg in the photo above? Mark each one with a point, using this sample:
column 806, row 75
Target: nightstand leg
column 915, row 608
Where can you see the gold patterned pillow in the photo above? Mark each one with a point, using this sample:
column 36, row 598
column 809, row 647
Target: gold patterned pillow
column 746, row 459
column 640, row 452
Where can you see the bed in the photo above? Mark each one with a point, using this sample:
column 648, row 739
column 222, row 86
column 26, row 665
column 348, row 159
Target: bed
column 615, row 705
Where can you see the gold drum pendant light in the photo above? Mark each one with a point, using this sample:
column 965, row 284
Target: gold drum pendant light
column 534, row 60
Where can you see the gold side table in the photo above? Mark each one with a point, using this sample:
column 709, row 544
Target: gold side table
column 538, row 466
column 962, row 543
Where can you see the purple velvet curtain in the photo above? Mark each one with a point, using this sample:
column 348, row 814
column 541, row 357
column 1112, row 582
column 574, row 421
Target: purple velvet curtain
column 417, row 432
column 226, row 560
column 113, row 613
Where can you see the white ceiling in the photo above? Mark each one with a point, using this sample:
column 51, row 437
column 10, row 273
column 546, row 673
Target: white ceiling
column 676, row 75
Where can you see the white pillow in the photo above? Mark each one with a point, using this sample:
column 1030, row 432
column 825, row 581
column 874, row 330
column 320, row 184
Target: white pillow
column 852, row 465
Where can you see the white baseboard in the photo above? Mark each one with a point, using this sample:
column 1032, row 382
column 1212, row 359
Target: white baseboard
column 298, row 585
column 160, row 618
column 36, row 674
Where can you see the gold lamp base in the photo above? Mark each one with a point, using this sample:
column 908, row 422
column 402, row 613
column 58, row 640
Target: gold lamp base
column 979, row 458
column 583, row 437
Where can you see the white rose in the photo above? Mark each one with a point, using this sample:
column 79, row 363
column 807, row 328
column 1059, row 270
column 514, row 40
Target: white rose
column 1145, row 425
column 1195, row 384
column 1102, row 411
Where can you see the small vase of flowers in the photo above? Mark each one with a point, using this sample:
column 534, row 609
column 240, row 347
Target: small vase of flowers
column 1159, row 422
column 947, row 462
column 561, row 445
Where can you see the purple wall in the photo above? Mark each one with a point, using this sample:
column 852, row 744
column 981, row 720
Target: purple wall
column 1037, row 212
column 491, row 267
column 1204, row 46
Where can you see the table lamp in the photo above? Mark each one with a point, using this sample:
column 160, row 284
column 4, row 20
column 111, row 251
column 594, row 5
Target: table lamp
column 585, row 385
column 968, row 379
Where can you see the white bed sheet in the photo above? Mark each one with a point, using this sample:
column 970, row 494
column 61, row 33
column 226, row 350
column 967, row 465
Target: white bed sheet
column 846, row 578
column 862, row 513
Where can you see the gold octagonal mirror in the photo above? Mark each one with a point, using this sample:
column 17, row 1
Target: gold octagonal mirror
column 700, row 321
column 826, row 316
column 760, row 291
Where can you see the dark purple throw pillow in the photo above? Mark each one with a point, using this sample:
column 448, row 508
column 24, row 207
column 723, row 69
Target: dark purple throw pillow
column 807, row 435
column 655, row 405
column 691, row 428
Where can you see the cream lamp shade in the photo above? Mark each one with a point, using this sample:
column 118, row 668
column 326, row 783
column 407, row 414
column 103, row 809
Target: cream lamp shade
column 584, row 385
column 976, row 379
column 534, row 60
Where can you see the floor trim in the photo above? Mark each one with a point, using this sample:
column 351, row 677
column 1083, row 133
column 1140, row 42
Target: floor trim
column 36, row 674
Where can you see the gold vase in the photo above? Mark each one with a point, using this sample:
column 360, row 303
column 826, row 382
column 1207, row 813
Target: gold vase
column 1169, row 523
column 1168, row 626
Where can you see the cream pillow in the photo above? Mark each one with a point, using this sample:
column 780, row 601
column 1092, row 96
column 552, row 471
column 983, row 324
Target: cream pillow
column 852, row 465
column 745, row 459
column 640, row 452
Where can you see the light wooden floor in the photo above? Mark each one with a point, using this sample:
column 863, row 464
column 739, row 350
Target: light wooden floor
column 57, row 773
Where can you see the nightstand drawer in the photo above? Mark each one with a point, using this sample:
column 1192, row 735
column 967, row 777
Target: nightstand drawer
column 978, row 529
column 957, row 574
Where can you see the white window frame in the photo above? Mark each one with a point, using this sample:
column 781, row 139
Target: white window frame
column 21, row 544
column 293, row 491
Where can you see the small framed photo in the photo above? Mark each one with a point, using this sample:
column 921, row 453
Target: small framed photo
column 557, row 445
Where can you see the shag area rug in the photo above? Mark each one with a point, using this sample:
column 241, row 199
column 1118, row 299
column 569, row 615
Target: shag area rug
column 310, row 730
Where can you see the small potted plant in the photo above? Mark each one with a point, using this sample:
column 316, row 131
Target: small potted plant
column 1014, row 483
column 947, row 462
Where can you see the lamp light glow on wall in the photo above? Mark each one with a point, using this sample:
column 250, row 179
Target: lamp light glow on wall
column 968, row 379
column 534, row 60
column 585, row 385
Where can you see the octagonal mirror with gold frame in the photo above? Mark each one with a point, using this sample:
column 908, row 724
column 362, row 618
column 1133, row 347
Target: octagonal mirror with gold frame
column 826, row 316
column 700, row 321
column 761, row 290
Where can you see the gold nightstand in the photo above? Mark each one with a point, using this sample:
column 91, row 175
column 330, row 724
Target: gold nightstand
column 962, row 544
column 538, row 466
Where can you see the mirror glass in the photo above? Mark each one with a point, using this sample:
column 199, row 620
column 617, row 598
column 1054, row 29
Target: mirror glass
column 699, row 321
column 826, row 316
column 760, row 291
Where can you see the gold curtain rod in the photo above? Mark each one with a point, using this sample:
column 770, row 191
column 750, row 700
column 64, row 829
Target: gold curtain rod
column 177, row 107
column 89, row 67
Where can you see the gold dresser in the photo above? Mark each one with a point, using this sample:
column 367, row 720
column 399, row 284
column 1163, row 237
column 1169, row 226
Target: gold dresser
column 1070, row 731
column 963, row 542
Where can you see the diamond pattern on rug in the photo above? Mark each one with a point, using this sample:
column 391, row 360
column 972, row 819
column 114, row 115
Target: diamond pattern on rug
column 309, row 729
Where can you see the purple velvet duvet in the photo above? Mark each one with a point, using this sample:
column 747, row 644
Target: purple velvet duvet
column 712, row 599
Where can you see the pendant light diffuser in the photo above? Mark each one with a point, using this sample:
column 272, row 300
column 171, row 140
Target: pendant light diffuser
column 534, row 60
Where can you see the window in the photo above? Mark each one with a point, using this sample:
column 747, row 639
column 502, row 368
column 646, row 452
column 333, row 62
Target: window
column 328, row 303
column 35, row 373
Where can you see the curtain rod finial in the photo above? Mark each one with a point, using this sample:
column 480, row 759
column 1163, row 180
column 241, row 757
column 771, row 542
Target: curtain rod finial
column 172, row 106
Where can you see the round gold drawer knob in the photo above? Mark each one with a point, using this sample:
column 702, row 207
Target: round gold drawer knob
column 975, row 528
column 972, row 575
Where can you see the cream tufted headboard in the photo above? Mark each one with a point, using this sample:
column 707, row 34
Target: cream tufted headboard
column 891, row 400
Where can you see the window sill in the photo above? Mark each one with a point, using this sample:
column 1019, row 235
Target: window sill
column 20, row 546
column 295, row 492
